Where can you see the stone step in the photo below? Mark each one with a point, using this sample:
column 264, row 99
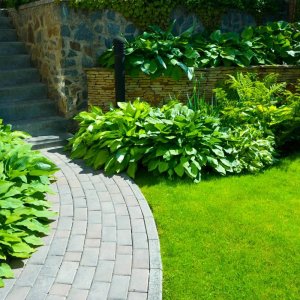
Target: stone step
column 12, row 48
column 11, row 62
column 42, row 126
column 27, row 110
column 3, row 12
column 58, row 139
column 8, row 35
column 17, row 77
column 5, row 22
column 23, row 92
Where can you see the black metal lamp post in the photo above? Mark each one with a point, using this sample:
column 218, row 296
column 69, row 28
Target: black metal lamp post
column 119, row 48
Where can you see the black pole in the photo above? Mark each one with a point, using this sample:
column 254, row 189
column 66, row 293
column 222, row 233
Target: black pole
column 119, row 48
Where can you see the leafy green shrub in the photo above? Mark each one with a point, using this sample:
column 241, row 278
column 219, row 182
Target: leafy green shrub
column 173, row 139
column 24, row 214
column 160, row 53
column 264, row 104
column 157, row 12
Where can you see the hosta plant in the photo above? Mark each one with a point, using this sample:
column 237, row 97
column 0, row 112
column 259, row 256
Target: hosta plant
column 172, row 140
column 24, row 212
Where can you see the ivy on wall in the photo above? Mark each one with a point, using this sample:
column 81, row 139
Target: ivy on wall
column 157, row 12
column 145, row 12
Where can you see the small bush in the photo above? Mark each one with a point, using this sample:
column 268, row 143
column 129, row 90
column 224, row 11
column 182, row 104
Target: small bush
column 24, row 211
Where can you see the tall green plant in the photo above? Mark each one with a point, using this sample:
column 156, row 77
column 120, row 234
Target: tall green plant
column 24, row 212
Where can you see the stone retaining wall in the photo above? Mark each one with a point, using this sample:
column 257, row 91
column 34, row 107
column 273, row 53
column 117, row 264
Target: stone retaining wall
column 63, row 41
column 101, row 84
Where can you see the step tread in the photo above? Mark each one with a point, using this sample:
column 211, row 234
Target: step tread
column 48, row 141
column 22, row 86
column 18, row 70
column 27, row 103
column 41, row 120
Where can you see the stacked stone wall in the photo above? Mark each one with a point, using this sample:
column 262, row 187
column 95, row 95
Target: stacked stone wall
column 101, row 84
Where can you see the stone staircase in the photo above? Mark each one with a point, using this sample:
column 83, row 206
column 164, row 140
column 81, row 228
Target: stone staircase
column 23, row 98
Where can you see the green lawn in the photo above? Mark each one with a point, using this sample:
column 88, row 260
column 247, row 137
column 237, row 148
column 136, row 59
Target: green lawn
column 230, row 238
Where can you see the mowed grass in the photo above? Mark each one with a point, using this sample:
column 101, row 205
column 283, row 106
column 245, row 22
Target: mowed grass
column 229, row 238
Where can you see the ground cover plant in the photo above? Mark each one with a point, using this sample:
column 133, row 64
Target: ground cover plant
column 229, row 238
column 161, row 53
column 24, row 212
column 238, row 134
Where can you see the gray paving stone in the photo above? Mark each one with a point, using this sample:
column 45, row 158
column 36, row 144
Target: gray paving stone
column 104, row 196
column 139, row 280
column 155, row 285
column 138, row 225
column 123, row 222
column 78, row 192
column 92, row 243
column 29, row 275
column 109, row 220
column 80, row 214
column 66, row 210
column 76, row 243
column 67, row 272
column 65, row 223
column 140, row 259
column 77, row 294
column 135, row 212
column 95, row 217
column 131, row 201
column 140, row 240
column 93, row 203
column 58, row 246
column 83, row 177
column 63, row 189
column 100, row 186
column 80, row 202
column 60, row 289
column 9, row 283
column 99, row 291
column 113, row 188
column 155, row 258
column 62, row 233
column 124, row 237
column 126, row 191
column 84, row 277
column 124, row 249
column 123, row 264
column 18, row 292
column 118, row 198
column 90, row 257
column 66, row 199
column 109, row 234
column 137, row 296
column 121, row 210
column 104, row 271
column 119, row 287
column 87, row 185
column 53, row 260
column 107, row 207
column 55, row 297
column 108, row 251
column 72, row 256
column 39, row 257
column 94, row 231
column 151, row 228
column 79, row 227
column 40, row 288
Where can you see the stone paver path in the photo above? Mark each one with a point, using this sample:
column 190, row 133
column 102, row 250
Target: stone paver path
column 104, row 244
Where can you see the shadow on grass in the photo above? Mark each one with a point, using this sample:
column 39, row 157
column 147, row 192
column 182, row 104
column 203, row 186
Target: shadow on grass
column 144, row 178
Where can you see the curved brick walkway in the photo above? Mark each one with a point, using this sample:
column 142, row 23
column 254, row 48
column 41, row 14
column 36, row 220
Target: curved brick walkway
column 103, row 246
